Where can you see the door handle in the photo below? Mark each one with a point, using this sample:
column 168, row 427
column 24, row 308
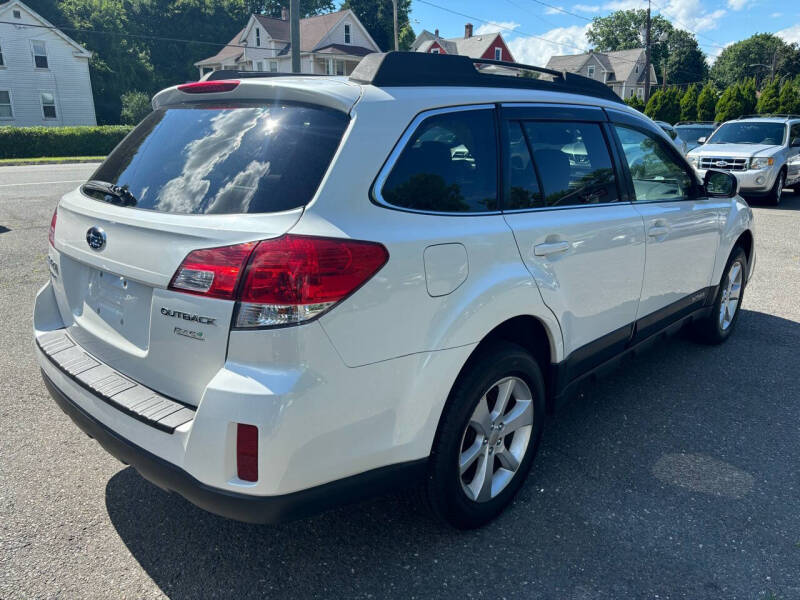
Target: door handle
column 657, row 231
column 551, row 248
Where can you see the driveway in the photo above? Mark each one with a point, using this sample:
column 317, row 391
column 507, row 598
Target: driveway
column 674, row 477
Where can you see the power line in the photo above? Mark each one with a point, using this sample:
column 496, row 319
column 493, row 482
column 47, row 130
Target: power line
column 562, row 10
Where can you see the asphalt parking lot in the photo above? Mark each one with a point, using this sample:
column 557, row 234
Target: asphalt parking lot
column 675, row 477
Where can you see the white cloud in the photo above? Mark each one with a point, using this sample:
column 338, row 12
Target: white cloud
column 622, row 4
column 494, row 26
column 554, row 10
column 562, row 40
column 775, row 15
column 691, row 14
column 790, row 34
column 737, row 4
column 587, row 8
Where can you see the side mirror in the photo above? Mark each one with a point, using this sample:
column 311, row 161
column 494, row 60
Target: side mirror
column 702, row 140
column 720, row 184
column 795, row 142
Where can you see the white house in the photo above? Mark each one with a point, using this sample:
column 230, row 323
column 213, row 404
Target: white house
column 331, row 44
column 623, row 71
column 44, row 74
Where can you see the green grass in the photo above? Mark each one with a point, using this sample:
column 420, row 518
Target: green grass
column 49, row 159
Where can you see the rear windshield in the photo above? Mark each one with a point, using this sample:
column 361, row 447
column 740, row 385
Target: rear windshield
column 223, row 159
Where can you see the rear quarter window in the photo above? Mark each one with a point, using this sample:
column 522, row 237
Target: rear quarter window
column 448, row 165
column 224, row 159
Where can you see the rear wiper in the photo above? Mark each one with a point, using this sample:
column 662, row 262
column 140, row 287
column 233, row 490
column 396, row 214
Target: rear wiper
column 121, row 193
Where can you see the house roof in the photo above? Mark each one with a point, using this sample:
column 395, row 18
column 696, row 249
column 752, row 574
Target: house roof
column 344, row 49
column 474, row 47
column 231, row 52
column 4, row 6
column 620, row 62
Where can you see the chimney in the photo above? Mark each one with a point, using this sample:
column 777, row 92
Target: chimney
column 467, row 31
column 436, row 34
column 284, row 13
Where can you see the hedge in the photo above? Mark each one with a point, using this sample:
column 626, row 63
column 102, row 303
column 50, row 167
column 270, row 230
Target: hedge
column 34, row 142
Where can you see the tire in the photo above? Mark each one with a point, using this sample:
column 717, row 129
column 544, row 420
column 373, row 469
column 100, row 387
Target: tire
column 717, row 327
column 462, row 433
column 774, row 196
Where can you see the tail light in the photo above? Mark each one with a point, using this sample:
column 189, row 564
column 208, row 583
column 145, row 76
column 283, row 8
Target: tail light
column 209, row 87
column 51, row 236
column 282, row 281
column 247, row 452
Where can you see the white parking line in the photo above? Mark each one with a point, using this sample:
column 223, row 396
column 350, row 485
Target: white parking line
column 43, row 182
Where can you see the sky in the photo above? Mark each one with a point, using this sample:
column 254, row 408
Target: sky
column 534, row 31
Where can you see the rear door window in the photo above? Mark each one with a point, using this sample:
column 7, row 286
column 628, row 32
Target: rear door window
column 448, row 165
column 572, row 162
column 224, row 158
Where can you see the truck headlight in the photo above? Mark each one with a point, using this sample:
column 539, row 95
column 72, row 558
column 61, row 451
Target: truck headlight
column 761, row 162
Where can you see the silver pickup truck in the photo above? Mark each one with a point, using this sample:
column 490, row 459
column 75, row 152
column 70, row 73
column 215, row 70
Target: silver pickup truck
column 762, row 152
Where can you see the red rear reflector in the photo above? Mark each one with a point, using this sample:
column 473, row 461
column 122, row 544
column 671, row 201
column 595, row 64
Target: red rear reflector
column 212, row 272
column 51, row 236
column 209, row 87
column 247, row 452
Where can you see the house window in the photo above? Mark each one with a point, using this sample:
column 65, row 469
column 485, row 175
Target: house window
column 347, row 33
column 17, row 14
column 5, row 105
column 2, row 60
column 498, row 54
column 259, row 66
column 48, row 105
column 258, row 36
column 335, row 67
column 39, row 54
column 434, row 51
column 630, row 93
column 590, row 71
column 636, row 68
column 273, row 66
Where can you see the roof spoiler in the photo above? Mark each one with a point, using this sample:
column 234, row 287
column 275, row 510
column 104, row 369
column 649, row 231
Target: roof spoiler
column 410, row 69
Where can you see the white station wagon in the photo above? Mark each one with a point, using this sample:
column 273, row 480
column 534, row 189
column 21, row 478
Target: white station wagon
column 280, row 293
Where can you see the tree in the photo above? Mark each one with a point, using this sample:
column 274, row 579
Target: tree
column 768, row 102
column 377, row 17
column 689, row 104
column 748, row 87
column 789, row 103
column 635, row 102
column 135, row 107
column 665, row 105
column 732, row 103
column 707, row 103
column 621, row 30
column 686, row 62
column 733, row 63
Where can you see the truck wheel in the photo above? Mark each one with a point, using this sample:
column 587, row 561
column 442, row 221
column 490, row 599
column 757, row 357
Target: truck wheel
column 488, row 436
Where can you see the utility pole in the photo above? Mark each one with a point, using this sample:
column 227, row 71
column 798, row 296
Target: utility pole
column 647, row 57
column 294, row 32
column 394, row 16
column 773, row 65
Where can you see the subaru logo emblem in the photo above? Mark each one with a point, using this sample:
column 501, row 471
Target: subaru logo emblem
column 96, row 238
column 721, row 163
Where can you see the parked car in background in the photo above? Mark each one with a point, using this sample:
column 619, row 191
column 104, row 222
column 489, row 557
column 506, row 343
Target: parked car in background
column 281, row 293
column 762, row 152
column 691, row 132
column 680, row 144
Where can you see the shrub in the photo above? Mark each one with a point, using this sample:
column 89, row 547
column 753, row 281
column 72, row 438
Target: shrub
column 135, row 107
column 635, row 102
column 665, row 105
column 689, row 104
column 768, row 102
column 34, row 142
column 707, row 103
column 732, row 104
column 789, row 103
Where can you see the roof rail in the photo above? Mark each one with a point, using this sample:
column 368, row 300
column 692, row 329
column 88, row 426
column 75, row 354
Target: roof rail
column 411, row 69
column 770, row 116
column 234, row 74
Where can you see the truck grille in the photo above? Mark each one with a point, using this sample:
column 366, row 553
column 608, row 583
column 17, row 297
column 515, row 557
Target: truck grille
column 724, row 164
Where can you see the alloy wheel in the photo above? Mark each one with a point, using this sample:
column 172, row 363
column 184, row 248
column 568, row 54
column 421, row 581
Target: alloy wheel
column 731, row 293
column 496, row 439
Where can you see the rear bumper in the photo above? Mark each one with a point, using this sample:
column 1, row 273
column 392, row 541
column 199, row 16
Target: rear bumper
column 242, row 507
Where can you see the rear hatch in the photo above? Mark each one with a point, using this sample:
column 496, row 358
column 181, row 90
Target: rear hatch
column 237, row 166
